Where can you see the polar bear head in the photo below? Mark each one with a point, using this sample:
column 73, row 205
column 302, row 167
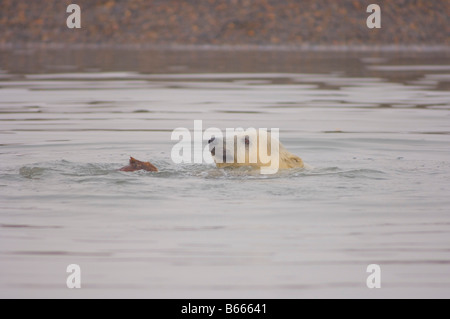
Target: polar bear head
column 255, row 148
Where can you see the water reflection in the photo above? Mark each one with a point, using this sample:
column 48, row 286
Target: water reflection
column 375, row 128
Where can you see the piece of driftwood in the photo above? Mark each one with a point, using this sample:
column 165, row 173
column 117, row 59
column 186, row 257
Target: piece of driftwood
column 136, row 165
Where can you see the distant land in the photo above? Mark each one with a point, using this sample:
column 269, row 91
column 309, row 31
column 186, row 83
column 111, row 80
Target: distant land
column 288, row 23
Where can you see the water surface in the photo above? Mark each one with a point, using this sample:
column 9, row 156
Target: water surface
column 375, row 128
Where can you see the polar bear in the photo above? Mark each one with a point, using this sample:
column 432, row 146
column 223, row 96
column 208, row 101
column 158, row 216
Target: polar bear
column 254, row 148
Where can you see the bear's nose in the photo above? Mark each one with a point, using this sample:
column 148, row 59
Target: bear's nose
column 211, row 140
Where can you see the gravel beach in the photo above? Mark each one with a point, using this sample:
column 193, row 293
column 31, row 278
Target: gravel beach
column 225, row 22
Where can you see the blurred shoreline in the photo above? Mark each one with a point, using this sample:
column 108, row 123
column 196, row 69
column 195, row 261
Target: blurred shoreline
column 274, row 25
column 231, row 47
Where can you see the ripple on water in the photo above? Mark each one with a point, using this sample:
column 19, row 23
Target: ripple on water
column 91, row 172
column 32, row 172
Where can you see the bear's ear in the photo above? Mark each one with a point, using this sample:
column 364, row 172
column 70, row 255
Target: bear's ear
column 295, row 160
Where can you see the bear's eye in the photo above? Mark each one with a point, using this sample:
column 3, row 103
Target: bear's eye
column 247, row 140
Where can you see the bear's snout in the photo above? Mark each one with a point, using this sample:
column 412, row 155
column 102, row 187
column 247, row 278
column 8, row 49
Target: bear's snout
column 212, row 147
